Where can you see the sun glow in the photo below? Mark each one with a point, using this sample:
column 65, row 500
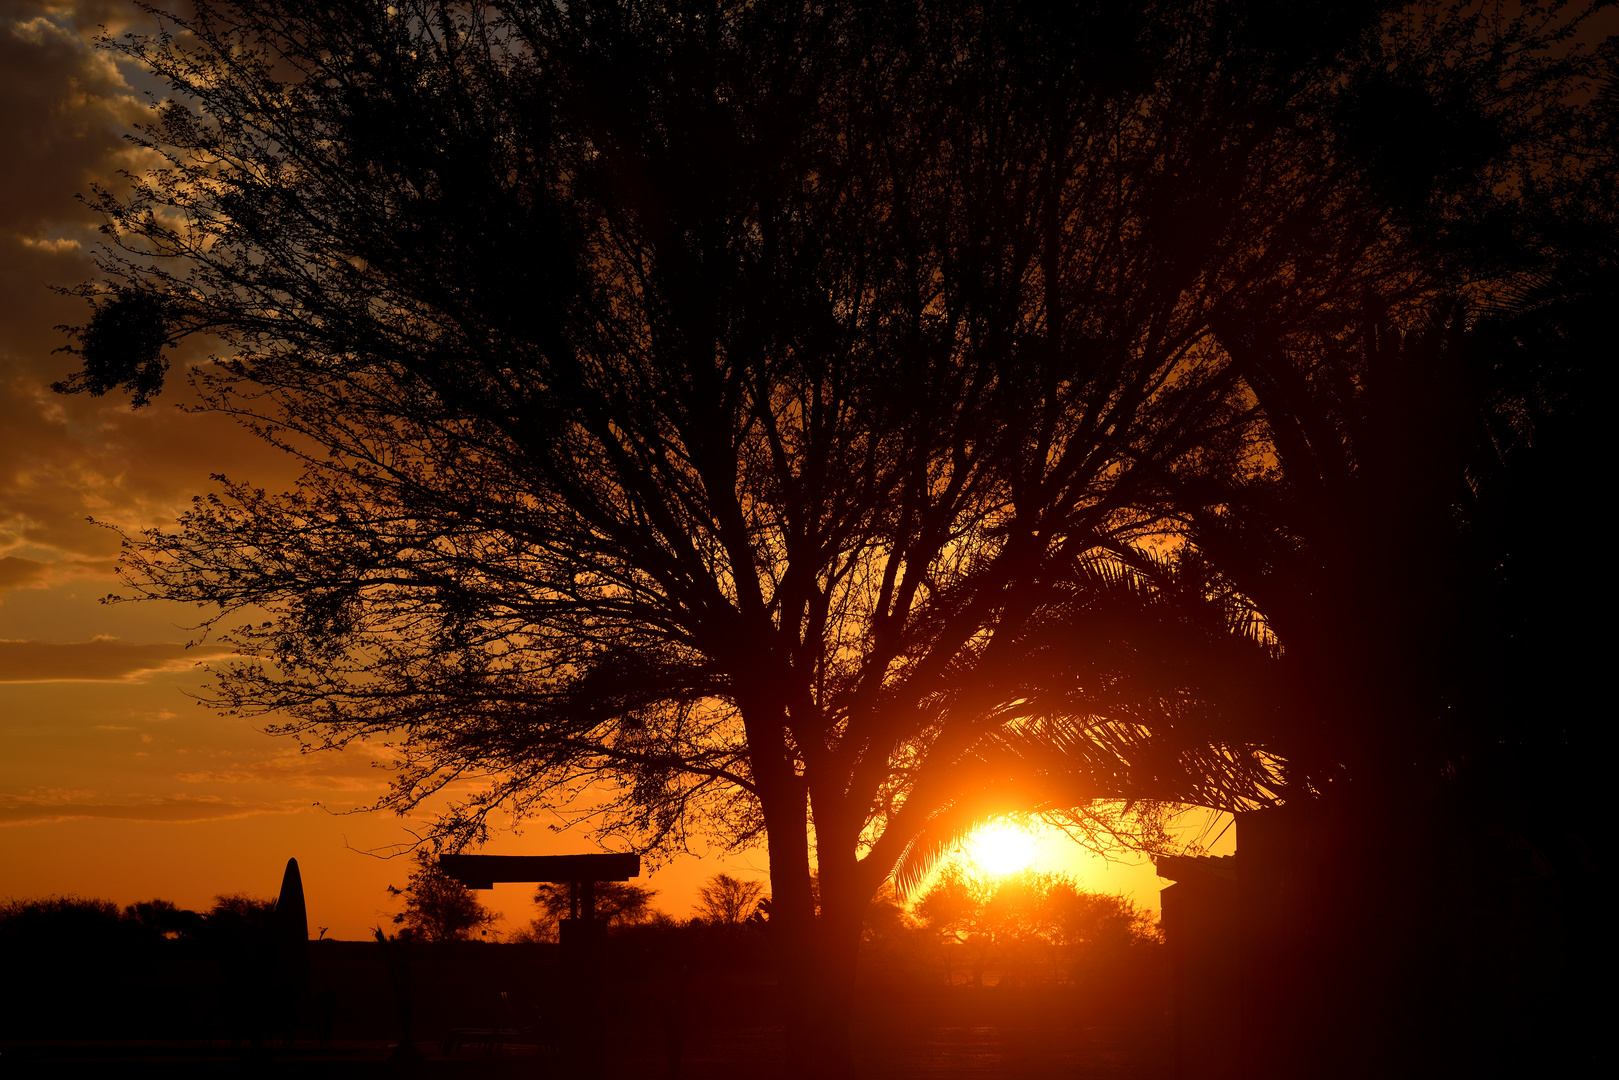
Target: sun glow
column 1001, row 848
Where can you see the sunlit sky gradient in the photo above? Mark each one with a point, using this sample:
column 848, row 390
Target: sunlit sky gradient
column 114, row 781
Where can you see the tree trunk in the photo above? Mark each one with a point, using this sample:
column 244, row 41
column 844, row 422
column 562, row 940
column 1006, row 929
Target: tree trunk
column 817, row 979
column 815, row 962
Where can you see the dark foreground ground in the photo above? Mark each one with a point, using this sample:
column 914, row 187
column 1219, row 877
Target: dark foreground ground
column 182, row 1014
column 1022, row 1049
column 1029, row 1046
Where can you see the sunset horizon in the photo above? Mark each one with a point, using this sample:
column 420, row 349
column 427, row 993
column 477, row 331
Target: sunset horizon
column 633, row 538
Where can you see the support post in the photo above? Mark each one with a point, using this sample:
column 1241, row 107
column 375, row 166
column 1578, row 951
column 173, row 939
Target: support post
column 583, row 937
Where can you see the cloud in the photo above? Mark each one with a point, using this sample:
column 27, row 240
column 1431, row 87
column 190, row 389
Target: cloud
column 17, row 810
column 15, row 572
column 99, row 660
column 361, row 768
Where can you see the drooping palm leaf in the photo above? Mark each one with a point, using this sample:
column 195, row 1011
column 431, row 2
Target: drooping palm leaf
column 1147, row 682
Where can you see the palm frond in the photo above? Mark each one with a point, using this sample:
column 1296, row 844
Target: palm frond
column 1149, row 682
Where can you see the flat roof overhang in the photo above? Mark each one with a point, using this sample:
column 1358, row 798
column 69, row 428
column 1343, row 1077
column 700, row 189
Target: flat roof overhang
column 482, row 871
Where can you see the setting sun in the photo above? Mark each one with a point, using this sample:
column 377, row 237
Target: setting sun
column 1001, row 848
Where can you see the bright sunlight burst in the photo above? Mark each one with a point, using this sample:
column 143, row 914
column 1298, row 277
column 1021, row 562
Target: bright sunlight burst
column 1001, row 848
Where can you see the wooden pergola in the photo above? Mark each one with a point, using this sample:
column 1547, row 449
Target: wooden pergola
column 581, row 937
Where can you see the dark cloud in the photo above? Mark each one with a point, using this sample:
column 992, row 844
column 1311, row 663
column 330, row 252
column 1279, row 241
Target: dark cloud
column 65, row 460
column 67, row 109
column 101, row 660
column 15, row 572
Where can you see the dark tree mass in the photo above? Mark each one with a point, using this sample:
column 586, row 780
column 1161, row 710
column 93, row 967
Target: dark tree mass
column 836, row 425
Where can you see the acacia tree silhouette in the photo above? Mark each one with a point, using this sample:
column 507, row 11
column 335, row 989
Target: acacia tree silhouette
column 766, row 408
column 439, row 908
column 617, row 903
column 727, row 900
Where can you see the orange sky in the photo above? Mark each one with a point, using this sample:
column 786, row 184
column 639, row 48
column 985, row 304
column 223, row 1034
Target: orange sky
column 113, row 782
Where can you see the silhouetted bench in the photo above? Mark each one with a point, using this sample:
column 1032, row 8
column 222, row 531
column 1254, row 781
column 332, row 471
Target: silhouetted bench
column 487, row 1040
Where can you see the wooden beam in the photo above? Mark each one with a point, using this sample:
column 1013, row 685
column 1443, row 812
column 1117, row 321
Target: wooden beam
column 482, row 871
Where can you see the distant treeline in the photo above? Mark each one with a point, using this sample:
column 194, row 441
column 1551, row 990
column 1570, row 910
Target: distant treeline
column 93, row 923
column 88, row 969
